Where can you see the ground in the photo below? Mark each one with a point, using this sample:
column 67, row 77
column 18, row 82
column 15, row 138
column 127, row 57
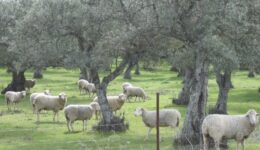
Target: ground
column 19, row 130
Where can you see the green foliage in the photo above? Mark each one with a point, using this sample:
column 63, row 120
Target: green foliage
column 19, row 130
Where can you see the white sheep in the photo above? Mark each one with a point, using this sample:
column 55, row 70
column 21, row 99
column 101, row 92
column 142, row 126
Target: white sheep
column 82, row 84
column 237, row 127
column 90, row 88
column 48, row 102
column 33, row 95
column 77, row 112
column 115, row 102
column 167, row 117
column 96, row 109
column 124, row 85
column 14, row 98
column 29, row 83
column 132, row 91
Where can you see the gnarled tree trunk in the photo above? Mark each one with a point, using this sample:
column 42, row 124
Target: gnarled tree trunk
column 224, row 84
column 137, row 69
column 251, row 73
column 184, row 95
column 191, row 131
column 86, row 74
column 132, row 61
column 17, row 84
column 127, row 74
column 109, row 122
column 38, row 73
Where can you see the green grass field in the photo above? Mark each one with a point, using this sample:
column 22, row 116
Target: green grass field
column 18, row 130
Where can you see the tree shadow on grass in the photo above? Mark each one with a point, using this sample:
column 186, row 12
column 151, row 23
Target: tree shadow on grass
column 49, row 122
column 11, row 112
column 73, row 132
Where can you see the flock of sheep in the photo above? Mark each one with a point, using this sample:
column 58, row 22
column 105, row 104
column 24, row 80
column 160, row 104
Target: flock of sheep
column 216, row 126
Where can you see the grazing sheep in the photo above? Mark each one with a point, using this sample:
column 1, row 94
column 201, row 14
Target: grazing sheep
column 124, row 85
column 29, row 83
column 132, row 91
column 115, row 102
column 82, row 84
column 96, row 109
column 90, row 88
column 14, row 98
column 167, row 117
column 77, row 112
column 237, row 127
column 33, row 95
column 48, row 102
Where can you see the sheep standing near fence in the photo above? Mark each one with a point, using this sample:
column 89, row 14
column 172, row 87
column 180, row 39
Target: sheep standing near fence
column 237, row 127
column 167, row 118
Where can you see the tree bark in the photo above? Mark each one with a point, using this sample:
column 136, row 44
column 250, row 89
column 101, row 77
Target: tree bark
column 251, row 73
column 127, row 74
column 137, row 69
column 191, row 131
column 224, row 84
column 17, row 84
column 108, row 123
column 184, row 95
column 38, row 73
column 132, row 61
column 84, row 73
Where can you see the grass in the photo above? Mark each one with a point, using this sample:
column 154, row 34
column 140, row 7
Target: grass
column 18, row 129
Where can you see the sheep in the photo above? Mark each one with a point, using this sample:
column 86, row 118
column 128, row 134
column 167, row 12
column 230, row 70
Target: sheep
column 82, row 84
column 29, row 83
column 77, row 112
column 33, row 95
column 12, row 97
column 48, row 102
column 115, row 102
column 131, row 91
column 90, row 88
column 167, row 117
column 124, row 85
column 237, row 127
column 96, row 109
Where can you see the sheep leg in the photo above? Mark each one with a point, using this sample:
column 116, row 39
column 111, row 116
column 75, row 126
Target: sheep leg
column 38, row 117
column 68, row 125
column 205, row 140
column 71, row 125
column 217, row 144
column 54, row 114
column 148, row 133
column 83, row 125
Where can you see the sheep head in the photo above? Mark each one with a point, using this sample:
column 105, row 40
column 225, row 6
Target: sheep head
column 252, row 115
column 138, row 111
column 122, row 97
column 63, row 96
column 23, row 93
